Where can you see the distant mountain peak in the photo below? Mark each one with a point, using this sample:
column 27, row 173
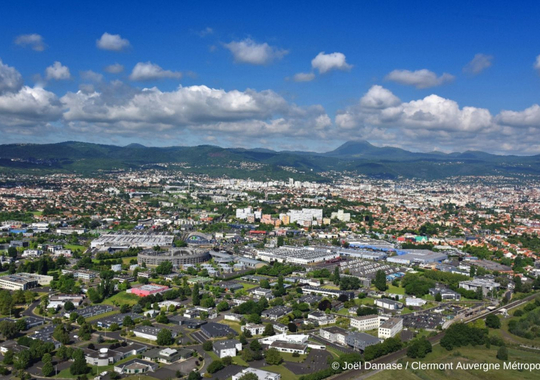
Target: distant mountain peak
column 135, row 145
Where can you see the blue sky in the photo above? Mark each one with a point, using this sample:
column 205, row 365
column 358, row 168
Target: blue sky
column 419, row 75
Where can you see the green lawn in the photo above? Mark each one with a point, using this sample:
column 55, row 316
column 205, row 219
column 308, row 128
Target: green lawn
column 73, row 247
column 328, row 286
column 122, row 298
column 395, row 289
column 126, row 260
column 212, row 355
column 364, row 301
column 239, row 361
column 96, row 317
column 288, row 357
column 284, row 372
column 249, row 285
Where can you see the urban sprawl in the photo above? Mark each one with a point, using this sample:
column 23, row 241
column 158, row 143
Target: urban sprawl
column 189, row 276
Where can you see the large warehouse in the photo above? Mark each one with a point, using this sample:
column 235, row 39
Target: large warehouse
column 126, row 240
column 298, row 255
column 177, row 256
column 418, row 256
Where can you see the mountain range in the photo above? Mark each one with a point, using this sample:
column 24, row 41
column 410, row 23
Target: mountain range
column 353, row 157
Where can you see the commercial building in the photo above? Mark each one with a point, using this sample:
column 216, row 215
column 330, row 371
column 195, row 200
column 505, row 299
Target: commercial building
column 359, row 340
column 24, row 281
column 388, row 304
column 418, row 256
column 216, row 330
column 487, row 285
column 149, row 332
column 297, row 255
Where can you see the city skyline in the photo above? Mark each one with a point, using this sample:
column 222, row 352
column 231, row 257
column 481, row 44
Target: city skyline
column 420, row 76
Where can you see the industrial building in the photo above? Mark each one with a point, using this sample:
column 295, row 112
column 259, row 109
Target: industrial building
column 125, row 240
column 417, row 256
column 297, row 255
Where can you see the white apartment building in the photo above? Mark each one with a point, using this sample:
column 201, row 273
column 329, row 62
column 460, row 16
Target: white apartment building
column 253, row 329
column 390, row 328
column 366, row 322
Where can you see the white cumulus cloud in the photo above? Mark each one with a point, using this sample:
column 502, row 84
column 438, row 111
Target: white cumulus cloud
column 479, row 63
column 419, row 78
column 10, row 79
column 537, row 63
column 304, row 77
column 57, row 72
column 114, row 69
column 29, row 107
column 33, row 41
column 113, row 42
column 328, row 62
column 145, row 71
column 250, row 52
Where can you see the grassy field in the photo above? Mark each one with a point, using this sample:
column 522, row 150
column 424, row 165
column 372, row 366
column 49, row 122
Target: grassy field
column 122, row 298
column 329, row 286
column 73, row 247
column 96, row 317
column 288, row 357
column 465, row 355
column 284, row 372
column 364, row 301
column 248, row 285
column 239, row 361
column 395, row 289
column 126, row 260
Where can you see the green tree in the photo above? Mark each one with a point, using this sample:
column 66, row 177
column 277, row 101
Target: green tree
column 164, row 337
column 502, row 353
column 493, row 322
column 196, row 298
column 194, row 375
column 8, row 357
column 249, row 376
column 8, row 329
column 438, row 297
column 207, row 345
column 273, row 357
column 79, row 366
column 215, row 366
column 47, row 369
column 380, row 280
column 268, row 330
